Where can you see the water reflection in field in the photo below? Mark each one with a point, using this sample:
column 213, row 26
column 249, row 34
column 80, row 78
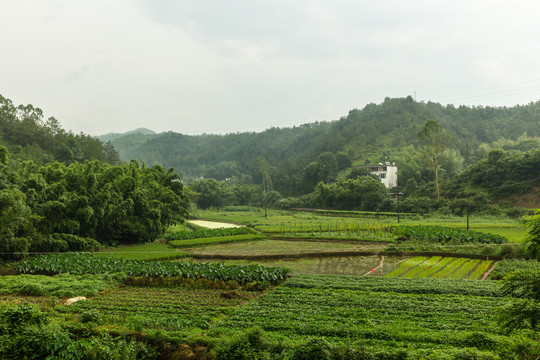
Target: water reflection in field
column 347, row 265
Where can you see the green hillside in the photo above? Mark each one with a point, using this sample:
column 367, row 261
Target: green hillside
column 28, row 136
column 378, row 132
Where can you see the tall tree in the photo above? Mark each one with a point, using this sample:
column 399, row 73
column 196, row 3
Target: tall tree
column 435, row 142
column 533, row 239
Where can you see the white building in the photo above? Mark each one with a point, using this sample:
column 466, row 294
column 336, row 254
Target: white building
column 387, row 173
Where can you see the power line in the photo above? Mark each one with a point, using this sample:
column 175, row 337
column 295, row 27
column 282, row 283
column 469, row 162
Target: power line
column 484, row 89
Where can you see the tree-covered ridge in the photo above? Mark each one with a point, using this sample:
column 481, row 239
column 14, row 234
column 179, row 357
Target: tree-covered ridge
column 501, row 174
column 378, row 132
column 27, row 135
column 58, row 207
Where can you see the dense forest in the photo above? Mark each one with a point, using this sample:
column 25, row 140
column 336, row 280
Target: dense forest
column 300, row 158
column 27, row 135
column 60, row 191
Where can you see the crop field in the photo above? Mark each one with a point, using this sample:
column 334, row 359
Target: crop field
column 339, row 227
column 442, row 267
column 514, row 234
column 345, row 265
column 216, row 240
column 84, row 263
column 506, row 266
column 150, row 251
column 205, row 233
column 301, row 222
column 171, row 309
column 419, row 317
column 284, row 248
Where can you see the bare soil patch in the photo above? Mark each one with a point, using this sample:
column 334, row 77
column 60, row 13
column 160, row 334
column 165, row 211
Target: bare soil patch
column 213, row 224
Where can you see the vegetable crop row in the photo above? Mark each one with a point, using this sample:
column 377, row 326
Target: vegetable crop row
column 507, row 266
column 428, row 320
column 206, row 233
column 398, row 285
column 438, row 234
column 172, row 309
column 85, row 263
column 441, row 267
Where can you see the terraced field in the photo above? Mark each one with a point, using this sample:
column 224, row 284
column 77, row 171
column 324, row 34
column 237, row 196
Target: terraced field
column 442, row 267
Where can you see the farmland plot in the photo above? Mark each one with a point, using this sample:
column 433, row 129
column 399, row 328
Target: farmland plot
column 442, row 267
column 343, row 265
column 170, row 309
column 420, row 317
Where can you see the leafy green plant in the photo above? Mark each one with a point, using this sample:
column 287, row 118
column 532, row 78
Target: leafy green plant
column 507, row 266
column 91, row 315
column 85, row 263
column 207, row 233
column 441, row 234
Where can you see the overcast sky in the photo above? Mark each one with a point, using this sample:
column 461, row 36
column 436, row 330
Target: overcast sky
column 246, row 65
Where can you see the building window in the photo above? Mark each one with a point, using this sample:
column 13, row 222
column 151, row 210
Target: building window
column 383, row 176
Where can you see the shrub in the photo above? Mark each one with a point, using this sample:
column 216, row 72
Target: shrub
column 13, row 248
column 432, row 233
column 92, row 315
column 64, row 242
column 22, row 315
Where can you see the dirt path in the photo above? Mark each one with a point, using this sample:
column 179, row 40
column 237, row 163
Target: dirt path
column 375, row 268
column 212, row 224
column 487, row 273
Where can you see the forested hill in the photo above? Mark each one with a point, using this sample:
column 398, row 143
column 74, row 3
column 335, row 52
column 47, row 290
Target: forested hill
column 28, row 136
column 375, row 133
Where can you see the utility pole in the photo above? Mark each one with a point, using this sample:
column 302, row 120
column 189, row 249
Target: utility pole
column 468, row 212
column 398, row 194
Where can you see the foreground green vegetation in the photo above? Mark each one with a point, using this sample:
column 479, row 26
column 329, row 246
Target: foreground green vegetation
column 506, row 266
column 383, row 318
column 307, row 317
column 26, row 332
column 398, row 308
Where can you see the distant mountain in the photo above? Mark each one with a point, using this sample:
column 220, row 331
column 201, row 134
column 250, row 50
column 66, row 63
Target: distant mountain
column 378, row 132
column 113, row 136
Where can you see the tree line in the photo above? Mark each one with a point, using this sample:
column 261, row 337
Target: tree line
column 81, row 206
column 27, row 135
